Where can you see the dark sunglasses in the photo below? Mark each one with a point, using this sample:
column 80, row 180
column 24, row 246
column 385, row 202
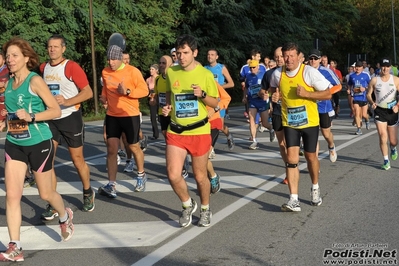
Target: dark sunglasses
column 252, row 67
column 313, row 58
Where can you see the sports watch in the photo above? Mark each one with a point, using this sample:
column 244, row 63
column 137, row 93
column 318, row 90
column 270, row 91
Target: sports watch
column 33, row 117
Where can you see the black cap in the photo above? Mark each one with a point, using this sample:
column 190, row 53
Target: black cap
column 315, row 53
column 386, row 62
column 358, row 64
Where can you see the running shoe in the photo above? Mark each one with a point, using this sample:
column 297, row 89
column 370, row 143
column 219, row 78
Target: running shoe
column 261, row 128
column 108, row 190
column 141, row 181
column 230, row 142
column 29, row 181
column 184, row 173
column 144, row 143
column 205, row 218
column 121, row 153
column 129, row 166
column 358, row 132
column 394, row 154
column 333, row 155
column 272, row 135
column 186, row 216
column 215, row 184
column 212, row 154
column 367, row 125
column 246, row 115
column 292, row 205
column 386, row 165
column 316, row 199
column 285, row 181
column 88, row 201
column 67, row 227
column 49, row 214
column 253, row 146
column 13, row 253
column 118, row 159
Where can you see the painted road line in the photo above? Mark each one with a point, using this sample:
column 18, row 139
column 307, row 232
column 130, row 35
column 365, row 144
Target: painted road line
column 153, row 185
column 177, row 242
column 100, row 235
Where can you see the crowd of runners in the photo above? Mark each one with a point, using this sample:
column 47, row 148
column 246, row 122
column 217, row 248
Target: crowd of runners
column 293, row 96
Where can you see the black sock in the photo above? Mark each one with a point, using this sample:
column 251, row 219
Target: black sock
column 88, row 191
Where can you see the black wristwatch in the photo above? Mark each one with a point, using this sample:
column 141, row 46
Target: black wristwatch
column 127, row 92
column 33, row 117
column 203, row 96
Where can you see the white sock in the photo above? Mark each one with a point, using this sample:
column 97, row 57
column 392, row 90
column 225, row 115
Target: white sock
column 18, row 243
column 204, row 207
column 315, row 186
column 187, row 203
column 294, row 196
column 64, row 218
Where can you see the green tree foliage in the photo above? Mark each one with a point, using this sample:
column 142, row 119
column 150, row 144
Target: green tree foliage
column 233, row 27
column 372, row 34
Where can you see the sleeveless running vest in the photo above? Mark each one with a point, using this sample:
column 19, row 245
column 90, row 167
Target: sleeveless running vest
column 297, row 112
column 58, row 83
column 217, row 72
column 19, row 131
column 385, row 93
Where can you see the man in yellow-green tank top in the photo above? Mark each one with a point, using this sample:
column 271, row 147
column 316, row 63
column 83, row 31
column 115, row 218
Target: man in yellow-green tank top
column 298, row 86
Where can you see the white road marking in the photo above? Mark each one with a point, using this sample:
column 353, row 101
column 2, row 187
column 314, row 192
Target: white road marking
column 189, row 235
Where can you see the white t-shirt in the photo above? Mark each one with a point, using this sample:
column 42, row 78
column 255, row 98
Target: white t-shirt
column 311, row 75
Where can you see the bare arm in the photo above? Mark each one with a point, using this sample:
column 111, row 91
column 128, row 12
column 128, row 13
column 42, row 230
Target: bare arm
column 229, row 81
column 313, row 95
column 370, row 92
column 83, row 95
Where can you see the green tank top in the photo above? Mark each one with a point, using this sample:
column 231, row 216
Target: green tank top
column 19, row 131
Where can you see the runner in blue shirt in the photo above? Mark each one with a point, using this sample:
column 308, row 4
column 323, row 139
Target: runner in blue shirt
column 357, row 83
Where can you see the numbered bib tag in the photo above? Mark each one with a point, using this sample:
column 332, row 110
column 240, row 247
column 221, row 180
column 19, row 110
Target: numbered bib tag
column 17, row 128
column 356, row 91
column 215, row 76
column 162, row 99
column 54, row 89
column 297, row 116
column 390, row 105
column 186, row 105
column 254, row 90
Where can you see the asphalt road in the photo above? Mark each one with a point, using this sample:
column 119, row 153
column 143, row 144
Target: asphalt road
column 359, row 210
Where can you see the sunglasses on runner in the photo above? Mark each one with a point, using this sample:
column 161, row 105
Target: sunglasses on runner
column 313, row 58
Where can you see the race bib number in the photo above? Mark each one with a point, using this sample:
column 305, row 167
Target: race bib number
column 215, row 76
column 390, row 105
column 297, row 116
column 162, row 99
column 186, row 105
column 254, row 90
column 17, row 128
column 54, row 89
column 356, row 91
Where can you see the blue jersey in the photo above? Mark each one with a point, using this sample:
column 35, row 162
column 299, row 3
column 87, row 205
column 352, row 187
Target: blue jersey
column 245, row 70
column 217, row 72
column 325, row 106
column 356, row 81
column 253, row 85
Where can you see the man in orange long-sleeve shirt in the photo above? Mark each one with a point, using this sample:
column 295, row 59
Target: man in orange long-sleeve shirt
column 123, row 86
